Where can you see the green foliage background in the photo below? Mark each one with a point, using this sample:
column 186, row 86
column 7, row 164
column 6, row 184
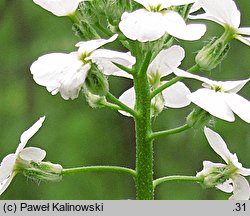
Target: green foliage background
column 76, row 135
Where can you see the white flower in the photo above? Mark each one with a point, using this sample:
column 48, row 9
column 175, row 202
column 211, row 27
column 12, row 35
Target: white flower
column 66, row 72
column 60, row 72
column 225, row 13
column 220, row 98
column 8, row 165
column 163, row 65
column 59, row 7
column 165, row 62
column 105, row 58
column 233, row 171
column 153, row 22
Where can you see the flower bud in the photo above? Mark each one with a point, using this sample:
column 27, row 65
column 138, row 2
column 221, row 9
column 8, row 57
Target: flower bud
column 94, row 101
column 157, row 104
column 199, row 118
column 96, row 82
column 213, row 177
column 216, row 175
column 212, row 54
column 43, row 171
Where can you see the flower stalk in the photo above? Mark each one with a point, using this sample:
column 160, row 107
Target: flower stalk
column 144, row 146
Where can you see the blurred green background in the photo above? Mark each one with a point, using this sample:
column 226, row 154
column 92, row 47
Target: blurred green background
column 76, row 135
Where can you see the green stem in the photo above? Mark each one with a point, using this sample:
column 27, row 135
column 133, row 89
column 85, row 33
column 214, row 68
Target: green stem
column 145, row 64
column 116, row 169
column 144, row 146
column 173, row 81
column 164, row 86
column 176, row 178
column 123, row 106
column 158, row 134
column 126, row 69
column 110, row 105
column 103, row 30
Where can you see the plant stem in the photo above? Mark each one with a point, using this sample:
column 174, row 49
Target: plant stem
column 158, row 134
column 110, row 105
column 126, row 69
column 116, row 169
column 164, row 86
column 144, row 146
column 124, row 107
column 176, row 178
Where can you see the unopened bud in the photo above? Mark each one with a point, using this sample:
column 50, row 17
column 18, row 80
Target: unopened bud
column 43, row 171
column 157, row 104
column 215, row 175
column 199, row 118
column 212, row 54
column 96, row 82
column 94, row 101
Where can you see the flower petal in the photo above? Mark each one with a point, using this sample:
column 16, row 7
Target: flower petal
column 239, row 105
column 128, row 98
column 179, row 2
column 213, row 102
column 4, row 184
column 241, row 189
column 226, row 186
column 245, row 40
column 32, row 154
column 166, row 60
column 29, row 133
column 195, row 7
column 60, row 72
column 59, row 7
column 142, row 25
column 175, row 25
column 207, row 16
column 163, row 3
column 233, row 86
column 87, row 47
column 7, row 166
column 244, row 30
column 218, row 144
column 175, row 96
column 104, row 59
column 208, row 167
column 224, row 10
column 182, row 73
column 244, row 171
column 145, row 3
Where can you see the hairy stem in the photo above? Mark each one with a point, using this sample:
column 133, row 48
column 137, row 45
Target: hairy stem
column 116, row 169
column 176, row 178
column 144, row 146
column 172, row 81
column 124, row 107
column 158, row 134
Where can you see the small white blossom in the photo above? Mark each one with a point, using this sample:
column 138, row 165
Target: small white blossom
column 8, row 165
column 232, row 172
column 220, row 98
column 66, row 72
column 152, row 22
column 164, row 63
column 225, row 13
column 59, row 7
